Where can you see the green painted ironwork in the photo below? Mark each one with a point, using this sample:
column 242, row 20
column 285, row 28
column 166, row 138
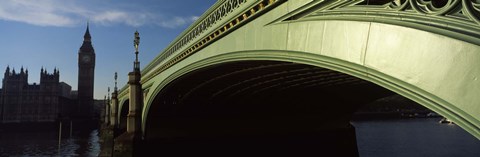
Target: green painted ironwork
column 427, row 51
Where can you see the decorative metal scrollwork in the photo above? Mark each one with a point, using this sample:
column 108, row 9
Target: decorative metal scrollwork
column 398, row 5
column 471, row 8
column 219, row 13
column 436, row 7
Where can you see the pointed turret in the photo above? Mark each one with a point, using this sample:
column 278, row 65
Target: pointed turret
column 87, row 36
column 87, row 41
column 7, row 71
column 56, row 73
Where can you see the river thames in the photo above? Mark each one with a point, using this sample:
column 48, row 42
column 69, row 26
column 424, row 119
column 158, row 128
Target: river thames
column 376, row 138
column 31, row 143
column 414, row 138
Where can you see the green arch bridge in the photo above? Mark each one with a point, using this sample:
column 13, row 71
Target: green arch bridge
column 269, row 68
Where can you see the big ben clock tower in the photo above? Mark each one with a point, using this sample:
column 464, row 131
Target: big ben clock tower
column 86, row 73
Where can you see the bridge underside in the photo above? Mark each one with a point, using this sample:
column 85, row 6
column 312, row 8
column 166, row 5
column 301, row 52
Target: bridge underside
column 255, row 105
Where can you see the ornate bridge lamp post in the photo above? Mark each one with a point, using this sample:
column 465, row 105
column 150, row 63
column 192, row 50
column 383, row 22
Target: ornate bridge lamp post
column 135, row 113
column 114, row 105
column 127, row 144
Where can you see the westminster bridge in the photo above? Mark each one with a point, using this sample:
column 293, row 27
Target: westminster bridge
column 249, row 72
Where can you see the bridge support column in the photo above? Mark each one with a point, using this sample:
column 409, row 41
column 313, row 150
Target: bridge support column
column 134, row 115
column 113, row 110
column 128, row 143
column 107, row 112
column 106, row 138
column 106, row 133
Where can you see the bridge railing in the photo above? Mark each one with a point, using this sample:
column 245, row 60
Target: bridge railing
column 223, row 17
column 202, row 25
column 199, row 28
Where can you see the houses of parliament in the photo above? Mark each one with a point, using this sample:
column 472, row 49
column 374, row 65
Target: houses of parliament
column 21, row 102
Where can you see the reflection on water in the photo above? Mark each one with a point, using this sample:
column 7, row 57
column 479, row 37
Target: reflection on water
column 375, row 138
column 414, row 138
column 45, row 143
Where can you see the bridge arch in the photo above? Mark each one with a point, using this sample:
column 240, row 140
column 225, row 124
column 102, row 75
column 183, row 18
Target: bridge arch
column 410, row 91
column 123, row 109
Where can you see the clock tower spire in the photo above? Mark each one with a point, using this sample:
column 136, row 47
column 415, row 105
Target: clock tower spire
column 87, row 41
column 86, row 73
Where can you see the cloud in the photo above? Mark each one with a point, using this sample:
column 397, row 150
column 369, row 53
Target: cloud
column 176, row 21
column 139, row 19
column 42, row 13
column 65, row 13
column 111, row 17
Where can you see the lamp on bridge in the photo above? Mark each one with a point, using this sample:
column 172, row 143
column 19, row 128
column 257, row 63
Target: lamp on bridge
column 136, row 42
column 107, row 107
column 108, row 95
column 114, row 106
column 127, row 144
column 135, row 99
column 115, row 89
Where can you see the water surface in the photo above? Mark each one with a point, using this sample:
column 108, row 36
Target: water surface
column 31, row 143
column 423, row 137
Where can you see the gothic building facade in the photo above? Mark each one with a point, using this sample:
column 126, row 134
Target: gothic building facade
column 50, row 99
column 23, row 102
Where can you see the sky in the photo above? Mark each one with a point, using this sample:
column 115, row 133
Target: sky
column 49, row 33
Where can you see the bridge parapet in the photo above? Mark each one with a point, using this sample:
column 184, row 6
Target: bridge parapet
column 199, row 28
column 219, row 20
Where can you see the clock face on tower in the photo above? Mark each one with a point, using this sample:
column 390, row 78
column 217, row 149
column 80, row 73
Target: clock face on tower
column 86, row 59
